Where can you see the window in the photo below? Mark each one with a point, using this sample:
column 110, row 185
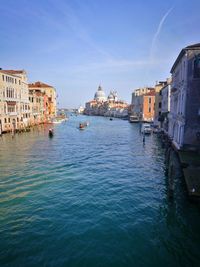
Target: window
column 149, row 100
column 160, row 104
column 149, row 110
column 3, row 77
column 196, row 72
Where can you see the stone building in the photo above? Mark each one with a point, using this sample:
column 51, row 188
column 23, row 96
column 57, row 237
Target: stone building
column 14, row 100
column 184, row 116
column 50, row 92
column 148, row 106
column 38, row 106
column 158, row 101
column 165, row 106
column 100, row 95
column 106, row 106
column 137, row 102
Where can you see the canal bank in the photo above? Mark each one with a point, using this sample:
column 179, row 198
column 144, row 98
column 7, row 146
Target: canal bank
column 97, row 197
column 184, row 164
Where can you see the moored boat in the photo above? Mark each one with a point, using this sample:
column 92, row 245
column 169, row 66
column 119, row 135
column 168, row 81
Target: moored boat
column 146, row 128
column 133, row 119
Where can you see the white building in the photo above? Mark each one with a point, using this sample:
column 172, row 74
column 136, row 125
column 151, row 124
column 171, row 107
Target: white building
column 184, row 116
column 166, row 94
column 14, row 100
column 165, row 106
column 100, row 95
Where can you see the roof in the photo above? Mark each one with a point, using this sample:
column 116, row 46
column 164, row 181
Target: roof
column 39, row 85
column 12, row 72
column 152, row 93
column 190, row 47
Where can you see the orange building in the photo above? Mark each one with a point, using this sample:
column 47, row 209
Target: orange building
column 50, row 91
column 148, row 106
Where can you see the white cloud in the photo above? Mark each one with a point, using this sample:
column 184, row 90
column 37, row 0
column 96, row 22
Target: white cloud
column 157, row 33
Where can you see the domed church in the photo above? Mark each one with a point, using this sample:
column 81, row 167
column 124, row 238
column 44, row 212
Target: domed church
column 113, row 96
column 100, row 95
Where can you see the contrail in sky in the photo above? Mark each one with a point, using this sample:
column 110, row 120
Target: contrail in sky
column 158, row 32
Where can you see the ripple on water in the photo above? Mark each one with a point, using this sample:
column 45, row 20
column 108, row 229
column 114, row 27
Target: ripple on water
column 91, row 198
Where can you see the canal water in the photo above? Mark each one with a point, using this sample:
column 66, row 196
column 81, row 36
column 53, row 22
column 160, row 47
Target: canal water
column 96, row 197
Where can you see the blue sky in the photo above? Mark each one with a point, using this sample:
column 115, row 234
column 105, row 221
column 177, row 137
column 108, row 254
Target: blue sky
column 77, row 44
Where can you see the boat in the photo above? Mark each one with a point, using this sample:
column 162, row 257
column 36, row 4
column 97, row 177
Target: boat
column 111, row 119
column 146, row 128
column 133, row 118
column 81, row 126
column 51, row 132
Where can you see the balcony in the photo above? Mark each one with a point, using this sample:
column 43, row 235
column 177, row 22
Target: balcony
column 12, row 113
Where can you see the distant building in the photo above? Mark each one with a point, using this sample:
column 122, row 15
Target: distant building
column 50, row 91
column 14, row 100
column 138, row 102
column 106, row 106
column 100, row 95
column 158, row 101
column 148, row 105
column 165, row 107
column 112, row 97
column 38, row 106
column 80, row 109
column 184, row 116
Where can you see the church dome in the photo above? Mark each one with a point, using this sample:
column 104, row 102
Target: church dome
column 113, row 96
column 100, row 95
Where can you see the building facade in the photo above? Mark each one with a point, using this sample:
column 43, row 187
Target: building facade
column 184, row 116
column 165, row 107
column 50, row 93
column 14, row 100
column 148, row 106
column 106, row 106
column 140, row 106
column 137, row 101
column 158, row 101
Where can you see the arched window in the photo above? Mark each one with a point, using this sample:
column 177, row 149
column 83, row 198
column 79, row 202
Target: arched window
column 197, row 66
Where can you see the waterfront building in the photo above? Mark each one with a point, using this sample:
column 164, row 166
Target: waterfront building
column 184, row 116
column 165, row 106
column 14, row 100
column 38, row 106
column 138, row 102
column 106, row 106
column 80, row 110
column 158, row 101
column 148, row 106
column 90, row 107
column 112, row 97
column 118, row 109
column 100, row 95
column 50, row 92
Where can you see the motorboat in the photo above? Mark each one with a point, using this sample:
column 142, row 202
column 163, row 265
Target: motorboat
column 133, row 118
column 146, row 128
